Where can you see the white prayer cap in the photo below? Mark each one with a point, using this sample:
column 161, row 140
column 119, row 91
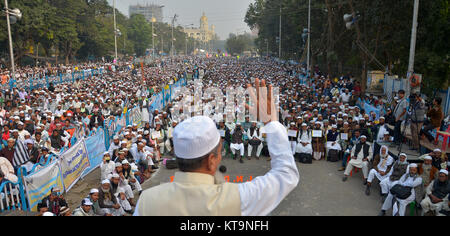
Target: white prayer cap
column 94, row 190
column 413, row 165
column 28, row 141
column 116, row 137
column 48, row 214
column 105, row 153
column 105, row 181
column 125, row 162
column 428, row 158
column 402, row 154
column 382, row 118
column 334, row 126
column 195, row 137
column 444, row 171
column 118, row 164
column 86, row 202
column 363, row 136
column 304, row 124
column 115, row 175
column 437, row 150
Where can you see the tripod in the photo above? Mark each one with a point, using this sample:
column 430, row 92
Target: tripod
column 408, row 120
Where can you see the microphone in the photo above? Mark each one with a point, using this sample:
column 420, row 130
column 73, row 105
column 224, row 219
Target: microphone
column 223, row 169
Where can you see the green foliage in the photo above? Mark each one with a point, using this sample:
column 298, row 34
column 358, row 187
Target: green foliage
column 384, row 28
column 237, row 44
column 81, row 30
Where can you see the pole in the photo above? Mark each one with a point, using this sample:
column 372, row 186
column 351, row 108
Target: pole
column 11, row 52
column 412, row 51
column 308, row 69
column 115, row 30
column 153, row 41
column 279, row 46
column 173, row 25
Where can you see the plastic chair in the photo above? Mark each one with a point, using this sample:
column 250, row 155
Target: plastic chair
column 412, row 208
column 354, row 168
column 445, row 135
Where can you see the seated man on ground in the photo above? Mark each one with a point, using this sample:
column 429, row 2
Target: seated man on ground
column 437, row 192
column 382, row 165
column 407, row 182
column 360, row 157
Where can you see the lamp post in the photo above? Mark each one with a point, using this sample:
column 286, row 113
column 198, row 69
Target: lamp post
column 173, row 25
column 308, row 69
column 279, row 45
column 15, row 14
column 115, row 30
column 153, row 37
column 412, row 50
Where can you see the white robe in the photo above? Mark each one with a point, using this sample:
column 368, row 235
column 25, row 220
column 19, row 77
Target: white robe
column 304, row 138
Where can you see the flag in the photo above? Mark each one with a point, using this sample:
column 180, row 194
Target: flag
column 20, row 154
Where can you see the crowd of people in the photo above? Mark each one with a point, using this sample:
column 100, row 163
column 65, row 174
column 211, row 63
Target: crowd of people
column 325, row 119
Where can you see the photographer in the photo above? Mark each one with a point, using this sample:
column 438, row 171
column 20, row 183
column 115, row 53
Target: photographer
column 400, row 116
column 417, row 119
column 435, row 116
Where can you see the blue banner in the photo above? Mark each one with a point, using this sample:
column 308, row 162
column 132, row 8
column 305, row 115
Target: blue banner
column 95, row 146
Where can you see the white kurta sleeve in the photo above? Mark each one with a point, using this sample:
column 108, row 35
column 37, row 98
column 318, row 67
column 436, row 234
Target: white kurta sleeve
column 262, row 195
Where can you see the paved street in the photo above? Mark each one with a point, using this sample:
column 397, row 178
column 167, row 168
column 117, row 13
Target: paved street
column 320, row 192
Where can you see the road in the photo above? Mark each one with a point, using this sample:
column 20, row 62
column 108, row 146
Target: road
column 320, row 191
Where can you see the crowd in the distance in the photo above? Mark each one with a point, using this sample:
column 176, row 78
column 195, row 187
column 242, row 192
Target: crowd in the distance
column 325, row 118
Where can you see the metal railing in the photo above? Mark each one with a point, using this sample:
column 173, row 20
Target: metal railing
column 44, row 81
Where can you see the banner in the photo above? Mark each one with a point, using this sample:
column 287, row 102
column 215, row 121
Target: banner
column 39, row 184
column 157, row 103
column 136, row 117
column 73, row 163
column 369, row 108
column 95, row 146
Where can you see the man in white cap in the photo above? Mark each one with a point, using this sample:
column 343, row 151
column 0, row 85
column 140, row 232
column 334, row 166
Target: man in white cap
column 304, row 145
column 85, row 209
column 408, row 182
column 197, row 146
column 360, row 156
column 382, row 165
column 437, row 193
column 107, row 166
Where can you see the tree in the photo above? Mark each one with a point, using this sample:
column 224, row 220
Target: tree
column 381, row 29
column 140, row 33
column 237, row 44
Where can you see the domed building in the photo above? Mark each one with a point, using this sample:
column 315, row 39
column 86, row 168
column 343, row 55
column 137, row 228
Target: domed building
column 204, row 33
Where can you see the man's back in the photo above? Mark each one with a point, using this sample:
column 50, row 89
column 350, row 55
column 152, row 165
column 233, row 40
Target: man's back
column 191, row 194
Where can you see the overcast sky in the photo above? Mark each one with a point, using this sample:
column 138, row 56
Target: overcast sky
column 227, row 15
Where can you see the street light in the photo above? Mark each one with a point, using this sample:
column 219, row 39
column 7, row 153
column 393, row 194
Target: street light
column 153, row 37
column 173, row 25
column 12, row 15
column 115, row 30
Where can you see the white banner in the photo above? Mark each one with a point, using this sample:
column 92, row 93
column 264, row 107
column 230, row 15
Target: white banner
column 39, row 184
column 73, row 162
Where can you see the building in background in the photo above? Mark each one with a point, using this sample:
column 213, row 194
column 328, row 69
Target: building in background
column 148, row 11
column 204, row 33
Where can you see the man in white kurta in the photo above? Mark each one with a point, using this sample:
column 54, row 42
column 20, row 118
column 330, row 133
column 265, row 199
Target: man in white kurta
column 360, row 159
column 410, row 179
column 254, row 134
column 382, row 167
column 304, row 141
column 196, row 192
